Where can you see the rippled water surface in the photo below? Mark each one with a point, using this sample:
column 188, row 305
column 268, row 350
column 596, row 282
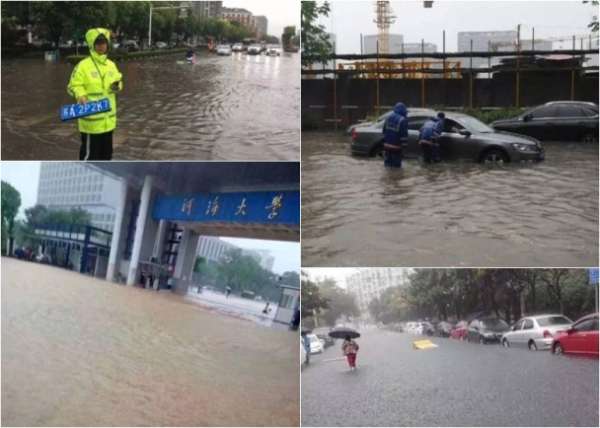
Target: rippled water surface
column 356, row 213
column 239, row 107
column 78, row 351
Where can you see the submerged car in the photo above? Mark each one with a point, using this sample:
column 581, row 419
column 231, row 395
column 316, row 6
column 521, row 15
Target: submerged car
column 273, row 51
column 463, row 137
column 223, row 50
column 556, row 121
column 443, row 329
column 254, row 50
column 486, row 330
column 580, row 339
column 316, row 345
column 459, row 331
column 237, row 47
column 535, row 332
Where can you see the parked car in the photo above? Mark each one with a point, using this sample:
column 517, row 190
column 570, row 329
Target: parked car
column 459, row 331
column 580, row 339
column 443, row 329
column 302, row 353
column 428, row 328
column 556, row 121
column 161, row 45
column 237, row 47
column 486, row 330
column 254, row 50
column 535, row 332
column 130, row 46
column 316, row 346
column 414, row 327
column 326, row 340
column 463, row 137
column 224, row 50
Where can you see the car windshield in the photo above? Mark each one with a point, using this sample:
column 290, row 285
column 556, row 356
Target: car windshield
column 474, row 125
column 556, row 320
column 494, row 324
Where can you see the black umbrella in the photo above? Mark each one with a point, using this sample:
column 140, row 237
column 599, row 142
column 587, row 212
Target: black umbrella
column 343, row 332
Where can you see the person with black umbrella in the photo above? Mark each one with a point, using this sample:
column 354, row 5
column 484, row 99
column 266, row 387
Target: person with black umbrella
column 350, row 349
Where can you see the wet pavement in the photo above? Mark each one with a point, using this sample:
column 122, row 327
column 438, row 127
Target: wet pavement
column 241, row 107
column 77, row 351
column 357, row 213
column 456, row 384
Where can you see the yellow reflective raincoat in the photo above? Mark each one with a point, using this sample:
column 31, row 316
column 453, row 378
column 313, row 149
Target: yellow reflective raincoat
column 92, row 78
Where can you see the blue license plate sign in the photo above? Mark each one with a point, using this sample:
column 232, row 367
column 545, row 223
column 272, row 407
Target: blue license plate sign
column 75, row 111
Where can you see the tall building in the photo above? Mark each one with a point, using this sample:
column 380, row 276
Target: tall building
column 394, row 44
column 213, row 249
column 484, row 41
column 240, row 15
column 207, row 9
column 262, row 26
column 369, row 283
column 67, row 185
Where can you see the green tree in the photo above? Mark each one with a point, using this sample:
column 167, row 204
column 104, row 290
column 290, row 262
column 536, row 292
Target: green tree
column 287, row 36
column 593, row 26
column 313, row 303
column 315, row 41
column 11, row 201
column 340, row 303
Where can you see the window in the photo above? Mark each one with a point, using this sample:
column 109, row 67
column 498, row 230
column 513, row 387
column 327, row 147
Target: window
column 518, row 325
column 589, row 324
column 570, row 110
column 528, row 325
column 415, row 123
column 545, row 111
column 556, row 320
column 452, row 126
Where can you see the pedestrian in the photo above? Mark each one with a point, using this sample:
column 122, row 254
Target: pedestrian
column 94, row 78
column 350, row 348
column 306, row 344
column 395, row 133
column 429, row 135
column 190, row 56
column 266, row 310
column 227, row 291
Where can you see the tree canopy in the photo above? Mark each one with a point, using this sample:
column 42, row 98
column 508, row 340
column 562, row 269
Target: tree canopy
column 315, row 41
column 11, row 202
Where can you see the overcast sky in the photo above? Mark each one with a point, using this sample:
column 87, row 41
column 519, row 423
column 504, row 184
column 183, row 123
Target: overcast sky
column 280, row 13
column 24, row 177
column 349, row 18
column 339, row 274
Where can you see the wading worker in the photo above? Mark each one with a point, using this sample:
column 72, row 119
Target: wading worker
column 94, row 78
column 395, row 134
column 429, row 135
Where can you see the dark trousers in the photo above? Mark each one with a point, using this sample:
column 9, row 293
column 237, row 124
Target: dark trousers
column 392, row 158
column 431, row 152
column 96, row 146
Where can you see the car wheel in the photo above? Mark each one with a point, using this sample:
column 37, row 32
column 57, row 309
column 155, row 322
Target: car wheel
column 532, row 346
column 505, row 343
column 557, row 349
column 377, row 151
column 589, row 137
column 494, row 157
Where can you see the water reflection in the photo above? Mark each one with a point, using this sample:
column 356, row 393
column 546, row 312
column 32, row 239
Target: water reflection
column 356, row 213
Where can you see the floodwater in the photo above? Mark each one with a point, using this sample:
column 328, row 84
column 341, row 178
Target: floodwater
column 77, row 351
column 241, row 107
column 357, row 213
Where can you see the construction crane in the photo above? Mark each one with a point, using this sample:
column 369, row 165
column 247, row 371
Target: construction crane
column 383, row 18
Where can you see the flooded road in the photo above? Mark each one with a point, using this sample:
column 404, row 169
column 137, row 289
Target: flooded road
column 241, row 107
column 78, row 351
column 356, row 213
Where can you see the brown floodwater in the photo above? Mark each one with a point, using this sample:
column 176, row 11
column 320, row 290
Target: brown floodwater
column 241, row 107
column 357, row 213
column 78, row 351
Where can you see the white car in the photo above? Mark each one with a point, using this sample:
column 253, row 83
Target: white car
column 316, row 346
column 273, row 51
column 535, row 332
column 254, row 50
column 238, row 47
column 223, row 50
column 161, row 45
column 302, row 353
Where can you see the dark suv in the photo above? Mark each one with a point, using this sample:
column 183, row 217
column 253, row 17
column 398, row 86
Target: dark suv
column 485, row 330
column 556, row 121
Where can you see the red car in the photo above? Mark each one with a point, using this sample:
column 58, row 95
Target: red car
column 580, row 339
column 459, row 331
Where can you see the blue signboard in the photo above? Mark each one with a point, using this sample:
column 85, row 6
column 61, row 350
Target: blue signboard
column 593, row 273
column 241, row 207
column 75, row 111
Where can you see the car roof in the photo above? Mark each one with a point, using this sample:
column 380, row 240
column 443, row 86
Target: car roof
column 588, row 103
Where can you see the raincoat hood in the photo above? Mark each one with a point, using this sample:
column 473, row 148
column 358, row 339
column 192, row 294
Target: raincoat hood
column 400, row 109
column 90, row 38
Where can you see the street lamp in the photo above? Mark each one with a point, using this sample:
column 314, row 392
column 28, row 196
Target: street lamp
column 150, row 19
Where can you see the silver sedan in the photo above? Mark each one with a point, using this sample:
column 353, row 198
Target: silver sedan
column 535, row 332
